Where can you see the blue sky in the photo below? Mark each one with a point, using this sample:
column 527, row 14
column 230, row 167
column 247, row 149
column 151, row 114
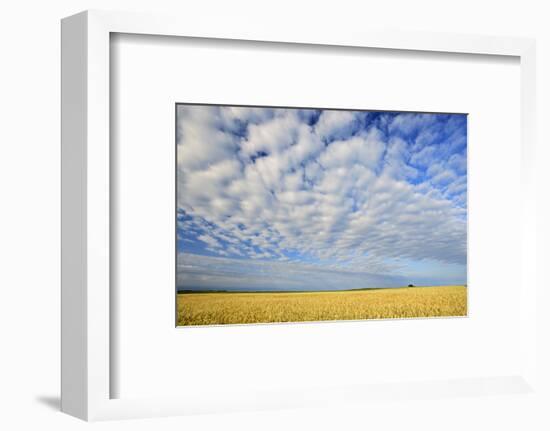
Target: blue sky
column 307, row 199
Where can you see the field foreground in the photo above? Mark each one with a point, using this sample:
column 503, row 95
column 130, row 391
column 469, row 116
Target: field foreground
column 215, row 308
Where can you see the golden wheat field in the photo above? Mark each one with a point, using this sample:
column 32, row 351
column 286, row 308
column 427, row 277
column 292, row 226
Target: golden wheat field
column 215, row 308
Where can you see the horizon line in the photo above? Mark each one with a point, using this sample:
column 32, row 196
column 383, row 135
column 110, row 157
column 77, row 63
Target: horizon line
column 182, row 291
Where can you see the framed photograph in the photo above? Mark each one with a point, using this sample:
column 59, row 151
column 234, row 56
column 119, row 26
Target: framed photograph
column 246, row 210
column 301, row 214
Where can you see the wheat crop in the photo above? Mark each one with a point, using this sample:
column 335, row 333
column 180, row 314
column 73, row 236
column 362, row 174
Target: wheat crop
column 216, row 308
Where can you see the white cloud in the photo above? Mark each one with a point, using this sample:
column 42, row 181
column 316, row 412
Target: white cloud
column 444, row 177
column 200, row 140
column 271, row 136
column 424, row 157
column 409, row 123
column 334, row 124
column 212, row 242
column 365, row 150
column 457, row 162
column 397, row 154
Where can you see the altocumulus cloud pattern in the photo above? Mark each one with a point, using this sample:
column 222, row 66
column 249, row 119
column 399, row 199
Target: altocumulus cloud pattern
column 307, row 199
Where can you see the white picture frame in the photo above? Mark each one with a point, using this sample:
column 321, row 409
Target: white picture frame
column 86, row 311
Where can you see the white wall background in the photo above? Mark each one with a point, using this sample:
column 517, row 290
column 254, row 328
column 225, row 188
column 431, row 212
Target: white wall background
column 29, row 203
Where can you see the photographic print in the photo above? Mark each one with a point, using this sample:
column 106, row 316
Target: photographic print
column 301, row 214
